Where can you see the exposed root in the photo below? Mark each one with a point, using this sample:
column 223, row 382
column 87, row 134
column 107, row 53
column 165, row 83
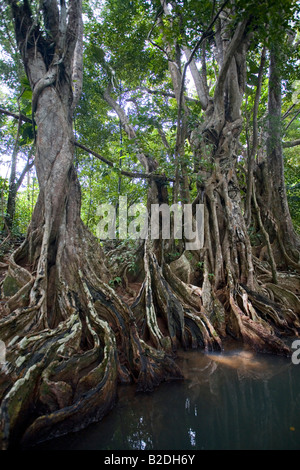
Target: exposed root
column 290, row 262
column 62, row 378
column 259, row 322
column 169, row 312
column 71, row 339
column 257, row 334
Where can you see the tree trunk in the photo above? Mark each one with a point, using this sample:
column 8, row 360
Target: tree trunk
column 230, row 274
column 272, row 198
column 278, row 202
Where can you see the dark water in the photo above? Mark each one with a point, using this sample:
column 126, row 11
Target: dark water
column 232, row 400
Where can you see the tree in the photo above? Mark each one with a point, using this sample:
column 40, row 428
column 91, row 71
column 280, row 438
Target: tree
column 278, row 204
column 70, row 338
column 69, row 349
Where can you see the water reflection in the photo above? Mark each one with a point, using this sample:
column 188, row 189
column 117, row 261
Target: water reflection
column 233, row 400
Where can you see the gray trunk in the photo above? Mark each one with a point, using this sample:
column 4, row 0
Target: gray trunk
column 278, row 199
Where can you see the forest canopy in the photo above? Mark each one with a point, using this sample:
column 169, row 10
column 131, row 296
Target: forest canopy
column 187, row 102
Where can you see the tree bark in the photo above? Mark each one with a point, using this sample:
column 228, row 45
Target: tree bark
column 253, row 150
column 198, row 80
column 278, row 204
column 272, row 198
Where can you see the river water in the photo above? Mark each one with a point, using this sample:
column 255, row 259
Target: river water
column 230, row 400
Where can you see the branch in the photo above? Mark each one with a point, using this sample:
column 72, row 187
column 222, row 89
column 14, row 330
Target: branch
column 62, row 40
column 121, row 114
column 97, row 155
column 232, row 48
column 288, row 111
column 256, row 102
column 22, row 117
column 292, row 120
column 129, row 174
column 27, row 168
column 160, row 48
column 163, row 136
column 127, row 127
column 292, row 143
column 77, row 66
column 199, row 84
column 163, row 93
column 296, row 45
column 73, row 28
column 23, row 23
column 51, row 17
column 206, row 34
column 123, row 172
column 157, row 16
column 252, row 153
column 192, row 54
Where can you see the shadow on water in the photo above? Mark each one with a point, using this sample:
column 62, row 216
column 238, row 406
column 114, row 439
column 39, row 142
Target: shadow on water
column 231, row 400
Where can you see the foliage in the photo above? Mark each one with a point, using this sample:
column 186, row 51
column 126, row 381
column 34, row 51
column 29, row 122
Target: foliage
column 124, row 50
